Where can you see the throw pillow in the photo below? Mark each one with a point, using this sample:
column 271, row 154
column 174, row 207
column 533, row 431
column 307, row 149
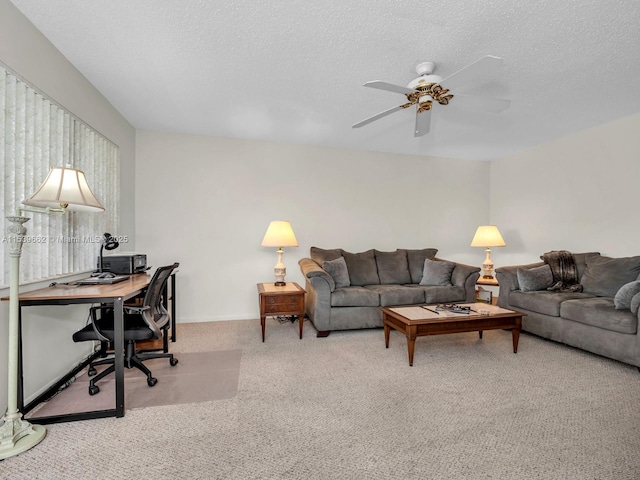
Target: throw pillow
column 416, row 259
column 437, row 272
column 320, row 255
column 604, row 276
column 393, row 268
column 635, row 304
column 362, row 268
column 537, row 278
column 622, row 300
column 338, row 270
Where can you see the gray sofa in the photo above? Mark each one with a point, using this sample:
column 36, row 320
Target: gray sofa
column 346, row 290
column 600, row 315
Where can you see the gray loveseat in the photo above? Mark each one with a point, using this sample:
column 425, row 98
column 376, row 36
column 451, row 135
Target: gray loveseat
column 346, row 290
column 600, row 315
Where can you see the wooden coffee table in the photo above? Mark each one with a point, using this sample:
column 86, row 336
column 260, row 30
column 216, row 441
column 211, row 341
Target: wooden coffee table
column 420, row 320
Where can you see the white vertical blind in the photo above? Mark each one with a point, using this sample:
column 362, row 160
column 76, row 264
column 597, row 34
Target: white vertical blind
column 35, row 134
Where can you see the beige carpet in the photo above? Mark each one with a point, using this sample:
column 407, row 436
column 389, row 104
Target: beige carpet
column 198, row 377
column 344, row 407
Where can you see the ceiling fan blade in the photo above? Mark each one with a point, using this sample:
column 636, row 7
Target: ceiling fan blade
column 389, row 87
column 423, row 123
column 465, row 76
column 366, row 121
column 486, row 104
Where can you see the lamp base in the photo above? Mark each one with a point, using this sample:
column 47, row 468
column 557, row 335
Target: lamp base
column 29, row 436
column 280, row 284
column 488, row 277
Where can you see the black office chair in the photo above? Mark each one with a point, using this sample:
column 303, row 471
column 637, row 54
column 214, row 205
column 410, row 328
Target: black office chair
column 147, row 322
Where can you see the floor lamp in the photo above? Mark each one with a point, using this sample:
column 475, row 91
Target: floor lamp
column 65, row 188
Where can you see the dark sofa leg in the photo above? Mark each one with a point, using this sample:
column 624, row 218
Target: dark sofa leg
column 323, row 333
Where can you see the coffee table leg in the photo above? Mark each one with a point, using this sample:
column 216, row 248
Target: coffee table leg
column 515, row 334
column 387, row 331
column 411, row 343
column 480, row 333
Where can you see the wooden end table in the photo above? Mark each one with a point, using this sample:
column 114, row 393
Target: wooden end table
column 281, row 300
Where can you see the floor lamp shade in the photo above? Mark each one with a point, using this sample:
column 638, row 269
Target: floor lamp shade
column 487, row 236
column 279, row 234
column 64, row 188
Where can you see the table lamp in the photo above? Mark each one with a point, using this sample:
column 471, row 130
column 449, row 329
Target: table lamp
column 279, row 234
column 487, row 236
column 65, row 188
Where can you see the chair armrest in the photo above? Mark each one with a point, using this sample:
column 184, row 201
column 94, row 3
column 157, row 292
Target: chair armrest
column 137, row 310
column 311, row 269
column 92, row 316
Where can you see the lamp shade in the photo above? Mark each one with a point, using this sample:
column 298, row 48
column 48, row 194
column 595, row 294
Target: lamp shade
column 487, row 236
column 66, row 187
column 279, row 234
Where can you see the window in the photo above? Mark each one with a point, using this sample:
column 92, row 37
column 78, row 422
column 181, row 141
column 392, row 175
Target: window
column 35, row 134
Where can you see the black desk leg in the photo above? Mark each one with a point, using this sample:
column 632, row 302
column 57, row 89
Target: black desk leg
column 173, row 307
column 118, row 348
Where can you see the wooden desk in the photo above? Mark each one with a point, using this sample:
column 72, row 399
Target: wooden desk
column 76, row 294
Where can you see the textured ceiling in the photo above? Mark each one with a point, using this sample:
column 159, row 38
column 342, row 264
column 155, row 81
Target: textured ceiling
column 292, row 70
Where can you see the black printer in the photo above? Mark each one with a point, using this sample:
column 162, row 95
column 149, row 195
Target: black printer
column 124, row 263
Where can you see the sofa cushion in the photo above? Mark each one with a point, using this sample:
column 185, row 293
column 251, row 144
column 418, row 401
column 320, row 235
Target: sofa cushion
column 397, row 294
column 545, row 302
column 354, row 297
column 635, row 304
column 393, row 268
column 362, row 268
column 581, row 261
column 442, row 294
column 604, row 275
column 416, row 258
column 437, row 272
column 311, row 269
column 537, row 278
column 338, row 270
column 320, row 255
column 600, row 312
column 622, row 300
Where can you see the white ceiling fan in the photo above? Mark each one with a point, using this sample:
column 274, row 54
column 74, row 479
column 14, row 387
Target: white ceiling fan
column 429, row 88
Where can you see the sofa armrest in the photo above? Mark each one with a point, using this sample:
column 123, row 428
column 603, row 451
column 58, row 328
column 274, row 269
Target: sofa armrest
column 319, row 285
column 311, row 269
column 508, row 280
column 466, row 276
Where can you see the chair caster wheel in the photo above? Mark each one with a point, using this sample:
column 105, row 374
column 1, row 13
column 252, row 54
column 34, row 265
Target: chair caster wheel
column 94, row 389
column 152, row 381
column 173, row 362
column 92, row 371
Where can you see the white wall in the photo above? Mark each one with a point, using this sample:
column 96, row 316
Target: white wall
column 49, row 350
column 207, row 202
column 579, row 193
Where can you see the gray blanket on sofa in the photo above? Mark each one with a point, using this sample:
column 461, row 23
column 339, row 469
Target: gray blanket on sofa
column 564, row 270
